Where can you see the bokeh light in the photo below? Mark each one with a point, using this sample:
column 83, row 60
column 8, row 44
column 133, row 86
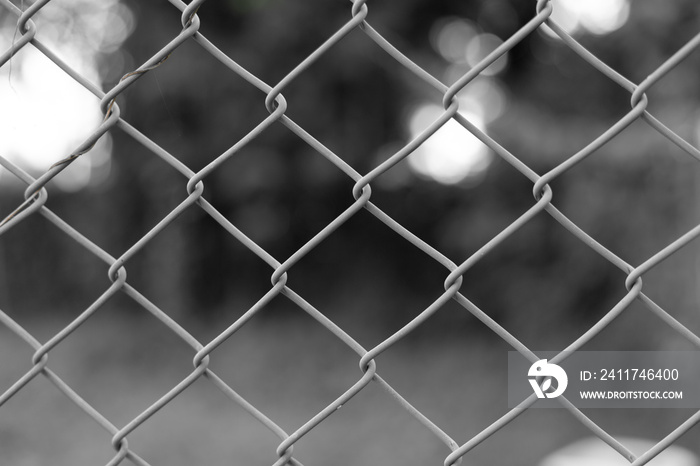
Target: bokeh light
column 460, row 41
column 480, row 47
column 45, row 113
column 450, row 36
column 598, row 17
column 452, row 154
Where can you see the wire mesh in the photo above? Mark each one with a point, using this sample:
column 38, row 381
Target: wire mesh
column 36, row 197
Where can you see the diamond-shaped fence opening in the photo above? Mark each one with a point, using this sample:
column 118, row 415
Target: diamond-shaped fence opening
column 331, row 223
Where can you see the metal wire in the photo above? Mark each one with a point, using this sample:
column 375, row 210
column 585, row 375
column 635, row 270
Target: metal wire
column 36, row 196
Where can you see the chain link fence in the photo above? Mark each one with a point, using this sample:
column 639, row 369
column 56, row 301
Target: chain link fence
column 359, row 13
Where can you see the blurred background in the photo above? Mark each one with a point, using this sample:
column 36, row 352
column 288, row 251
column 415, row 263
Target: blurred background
column 541, row 102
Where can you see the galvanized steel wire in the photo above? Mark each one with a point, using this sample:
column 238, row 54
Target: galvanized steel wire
column 36, row 197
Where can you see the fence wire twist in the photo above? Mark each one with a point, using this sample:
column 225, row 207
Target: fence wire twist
column 36, row 197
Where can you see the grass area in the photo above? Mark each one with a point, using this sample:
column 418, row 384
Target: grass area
column 290, row 370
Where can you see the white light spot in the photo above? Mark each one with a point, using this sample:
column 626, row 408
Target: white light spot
column 484, row 97
column 593, row 16
column 452, row 154
column 482, row 45
column 45, row 112
column 451, row 36
column 593, row 451
column 460, row 41
column 45, row 115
